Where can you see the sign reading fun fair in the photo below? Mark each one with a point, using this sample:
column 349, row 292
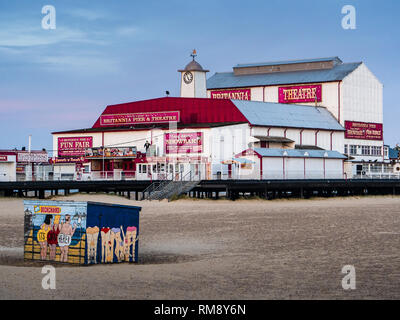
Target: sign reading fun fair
column 363, row 130
column 74, row 146
column 296, row 94
column 238, row 94
column 139, row 118
column 191, row 142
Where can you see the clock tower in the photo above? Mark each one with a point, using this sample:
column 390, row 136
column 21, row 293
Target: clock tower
column 193, row 80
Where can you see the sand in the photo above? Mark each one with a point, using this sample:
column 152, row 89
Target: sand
column 246, row 249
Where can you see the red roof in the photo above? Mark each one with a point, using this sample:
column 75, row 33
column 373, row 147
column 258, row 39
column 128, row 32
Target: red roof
column 193, row 111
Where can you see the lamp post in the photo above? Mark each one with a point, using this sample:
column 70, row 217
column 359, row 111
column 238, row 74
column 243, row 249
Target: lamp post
column 29, row 155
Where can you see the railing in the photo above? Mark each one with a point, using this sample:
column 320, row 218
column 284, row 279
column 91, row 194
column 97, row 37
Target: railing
column 199, row 175
column 157, row 186
column 377, row 175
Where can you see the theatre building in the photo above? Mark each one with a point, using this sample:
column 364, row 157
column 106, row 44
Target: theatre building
column 349, row 91
column 202, row 138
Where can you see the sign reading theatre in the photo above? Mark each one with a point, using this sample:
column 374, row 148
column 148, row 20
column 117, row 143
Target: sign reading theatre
column 139, row 118
column 296, row 94
column 363, row 130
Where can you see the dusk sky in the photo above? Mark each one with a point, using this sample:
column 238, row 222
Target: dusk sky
column 107, row 52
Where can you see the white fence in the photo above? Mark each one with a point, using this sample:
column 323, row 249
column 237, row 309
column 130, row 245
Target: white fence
column 197, row 175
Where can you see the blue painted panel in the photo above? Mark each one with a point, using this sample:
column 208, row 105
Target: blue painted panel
column 112, row 233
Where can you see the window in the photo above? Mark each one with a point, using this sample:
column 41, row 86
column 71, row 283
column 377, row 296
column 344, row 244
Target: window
column 365, row 150
column 346, row 147
column 353, row 149
column 376, row 167
column 376, row 151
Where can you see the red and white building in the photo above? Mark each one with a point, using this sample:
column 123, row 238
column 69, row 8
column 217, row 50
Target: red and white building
column 197, row 136
column 314, row 118
column 350, row 91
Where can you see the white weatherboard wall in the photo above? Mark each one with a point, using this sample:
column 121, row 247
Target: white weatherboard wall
column 306, row 136
column 8, row 169
column 362, row 100
column 301, row 168
column 330, row 95
column 362, row 96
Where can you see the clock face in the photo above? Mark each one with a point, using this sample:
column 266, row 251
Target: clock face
column 188, row 77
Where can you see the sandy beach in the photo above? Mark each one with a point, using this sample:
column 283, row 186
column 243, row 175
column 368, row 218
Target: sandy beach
column 246, row 249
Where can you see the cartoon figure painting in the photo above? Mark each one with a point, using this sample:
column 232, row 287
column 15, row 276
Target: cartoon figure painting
column 115, row 242
column 92, row 235
column 42, row 236
column 105, row 240
column 65, row 237
column 52, row 238
column 129, row 240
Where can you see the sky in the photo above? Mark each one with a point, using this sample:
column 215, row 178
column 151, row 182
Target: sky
column 105, row 52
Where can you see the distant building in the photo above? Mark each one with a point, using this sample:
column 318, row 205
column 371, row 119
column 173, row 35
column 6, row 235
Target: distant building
column 23, row 165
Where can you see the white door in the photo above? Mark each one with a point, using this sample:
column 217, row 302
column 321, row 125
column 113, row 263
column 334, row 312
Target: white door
column 143, row 171
column 4, row 171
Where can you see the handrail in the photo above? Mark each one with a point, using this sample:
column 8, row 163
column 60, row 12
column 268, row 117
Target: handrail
column 160, row 185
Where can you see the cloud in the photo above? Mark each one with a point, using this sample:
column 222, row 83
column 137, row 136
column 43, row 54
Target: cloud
column 127, row 31
column 90, row 15
column 19, row 36
column 92, row 63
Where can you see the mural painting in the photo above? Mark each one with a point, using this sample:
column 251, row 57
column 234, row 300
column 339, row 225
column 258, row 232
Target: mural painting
column 55, row 233
column 80, row 232
column 116, row 244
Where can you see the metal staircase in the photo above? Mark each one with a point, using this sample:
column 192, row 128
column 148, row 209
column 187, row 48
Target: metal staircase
column 170, row 188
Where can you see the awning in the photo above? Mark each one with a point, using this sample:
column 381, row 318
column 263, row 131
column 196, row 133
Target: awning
column 237, row 161
column 273, row 139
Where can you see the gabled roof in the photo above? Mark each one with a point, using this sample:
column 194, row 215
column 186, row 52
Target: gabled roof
column 276, row 63
column 221, row 80
column 296, row 153
column 206, row 112
column 284, row 115
column 200, row 111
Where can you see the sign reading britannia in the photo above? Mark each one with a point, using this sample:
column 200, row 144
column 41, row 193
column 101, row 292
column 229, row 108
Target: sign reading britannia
column 237, row 94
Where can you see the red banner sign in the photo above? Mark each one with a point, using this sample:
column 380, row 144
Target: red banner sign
column 73, row 146
column 113, row 152
column 3, row 158
column 191, row 142
column 69, row 160
column 238, row 94
column 363, row 130
column 139, row 118
column 297, row 94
